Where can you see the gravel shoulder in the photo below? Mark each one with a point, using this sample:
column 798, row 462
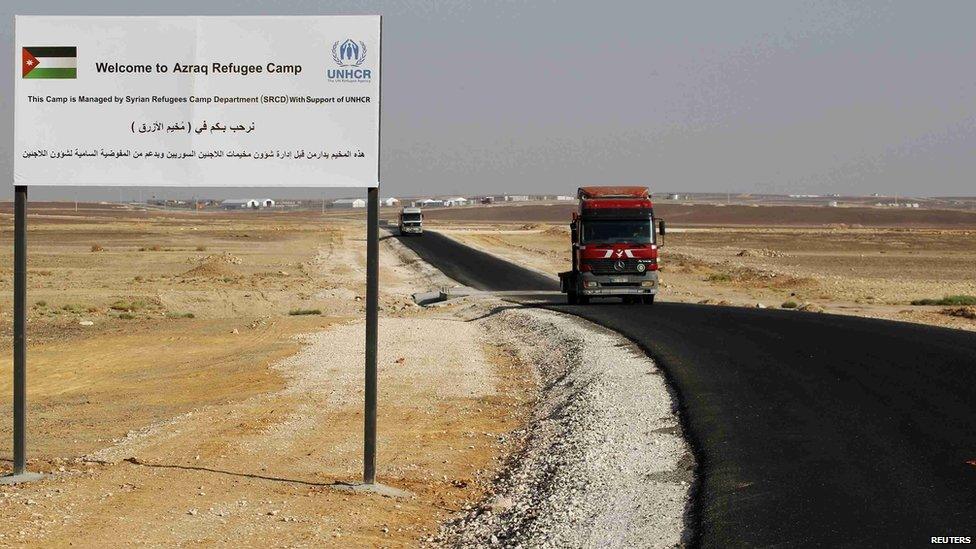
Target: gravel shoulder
column 603, row 460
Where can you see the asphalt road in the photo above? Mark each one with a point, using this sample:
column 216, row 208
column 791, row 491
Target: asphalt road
column 809, row 429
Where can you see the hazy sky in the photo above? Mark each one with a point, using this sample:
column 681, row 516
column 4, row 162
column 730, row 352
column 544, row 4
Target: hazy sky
column 777, row 96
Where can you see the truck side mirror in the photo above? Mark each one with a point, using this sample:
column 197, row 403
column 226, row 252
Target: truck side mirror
column 574, row 233
column 661, row 227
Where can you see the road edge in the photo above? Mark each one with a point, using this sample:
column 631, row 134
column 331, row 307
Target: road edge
column 501, row 323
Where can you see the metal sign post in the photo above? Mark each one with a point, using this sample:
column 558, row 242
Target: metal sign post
column 20, row 473
column 372, row 306
column 372, row 296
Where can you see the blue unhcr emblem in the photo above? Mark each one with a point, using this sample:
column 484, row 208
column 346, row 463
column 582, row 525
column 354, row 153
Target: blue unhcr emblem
column 349, row 53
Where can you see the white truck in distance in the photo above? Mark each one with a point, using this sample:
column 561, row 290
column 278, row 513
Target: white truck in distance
column 411, row 221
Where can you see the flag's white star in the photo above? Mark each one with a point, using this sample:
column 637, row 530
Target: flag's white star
column 30, row 62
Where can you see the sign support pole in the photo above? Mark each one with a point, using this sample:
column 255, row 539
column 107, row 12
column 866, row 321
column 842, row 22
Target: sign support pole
column 20, row 473
column 372, row 306
column 372, row 295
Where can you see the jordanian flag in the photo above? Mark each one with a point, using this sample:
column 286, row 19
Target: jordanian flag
column 50, row 62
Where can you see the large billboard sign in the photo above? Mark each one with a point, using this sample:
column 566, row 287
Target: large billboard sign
column 197, row 101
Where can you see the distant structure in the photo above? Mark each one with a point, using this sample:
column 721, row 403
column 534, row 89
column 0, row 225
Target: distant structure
column 389, row 202
column 897, row 204
column 349, row 203
column 428, row 203
column 516, row 198
column 240, row 204
column 674, row 196
column 488, row 200
column 832, row 204
column 564, row 197
column 247, row 203
column 456, row 201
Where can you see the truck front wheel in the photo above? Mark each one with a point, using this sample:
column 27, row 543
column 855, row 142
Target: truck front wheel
column 648, row 299
column 575, row 298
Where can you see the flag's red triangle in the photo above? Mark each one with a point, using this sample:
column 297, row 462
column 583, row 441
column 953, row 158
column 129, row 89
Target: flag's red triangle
column 29, row 62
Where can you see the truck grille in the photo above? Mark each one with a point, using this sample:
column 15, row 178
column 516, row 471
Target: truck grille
column 610, row 266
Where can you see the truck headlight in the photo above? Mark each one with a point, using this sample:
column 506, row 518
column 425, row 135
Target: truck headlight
column 641, row 267
column 590, row 284
column 647, row 283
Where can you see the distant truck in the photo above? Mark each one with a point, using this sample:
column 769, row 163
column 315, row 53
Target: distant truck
column 615, row 248
column 411, row 221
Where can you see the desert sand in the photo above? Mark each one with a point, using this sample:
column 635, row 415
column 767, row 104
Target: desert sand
column 761, row 260
column 196, row 378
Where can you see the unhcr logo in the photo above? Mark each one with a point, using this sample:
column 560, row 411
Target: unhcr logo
column 349, row 55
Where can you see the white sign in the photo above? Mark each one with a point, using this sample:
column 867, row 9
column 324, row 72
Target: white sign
column 197, row 101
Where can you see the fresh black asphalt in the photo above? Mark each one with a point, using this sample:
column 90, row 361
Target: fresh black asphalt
column 810, row 430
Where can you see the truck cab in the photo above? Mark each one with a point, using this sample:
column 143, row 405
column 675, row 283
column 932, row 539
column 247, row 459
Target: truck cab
column 615, row 246
column 411, row 221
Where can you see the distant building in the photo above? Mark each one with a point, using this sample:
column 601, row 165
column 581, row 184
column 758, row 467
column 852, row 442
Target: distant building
column 898, row 204
column 267, row 203
column 564, row 197
column 349, row 203
column 516, row 198
column 832, row 204
column 488, row 200
column 389, row 202
column 428, row 203
column 456, row 201
column 240, row 203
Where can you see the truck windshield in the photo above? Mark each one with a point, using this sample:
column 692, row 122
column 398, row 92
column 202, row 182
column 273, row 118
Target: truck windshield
column 637, row 231
column 411, row 217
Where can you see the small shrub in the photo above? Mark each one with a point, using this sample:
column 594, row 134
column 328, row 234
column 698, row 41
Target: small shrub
column 179, row 315
column 153, row 248
column 97, row 248
column 789, row 305
column 949, row 300
column 128, row 306
column 201, row 248
column 138, row 278
column 127, row 316
column 41, row 303
column 719, row 277
column 301, row 312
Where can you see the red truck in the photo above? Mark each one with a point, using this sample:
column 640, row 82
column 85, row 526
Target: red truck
column 615, row 249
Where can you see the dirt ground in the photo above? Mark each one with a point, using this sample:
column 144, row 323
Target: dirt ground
column 177, row 396
column 873, row 272
column 196, row 378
